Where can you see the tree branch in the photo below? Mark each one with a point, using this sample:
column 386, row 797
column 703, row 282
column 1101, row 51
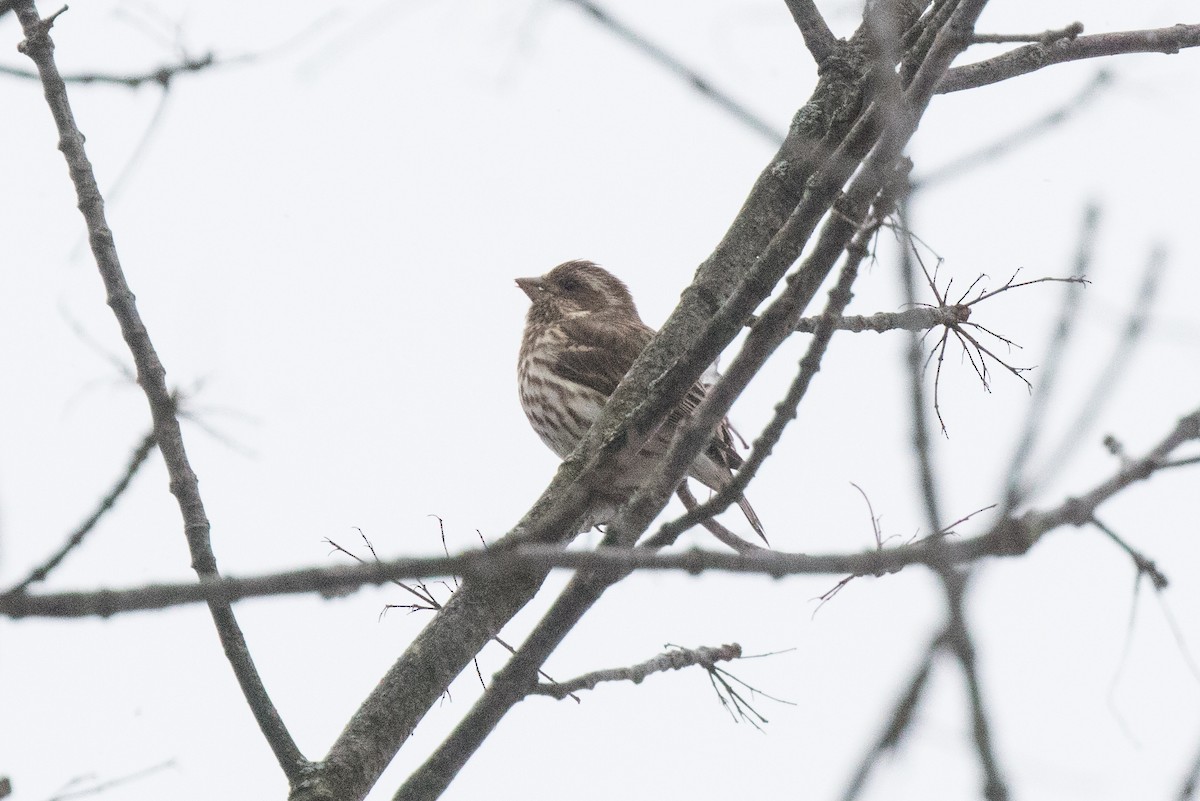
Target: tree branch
column 958, row 641
column 1045, row 37
column 819, row 40
column 692, row 78
column 162, row 75
column 1010, row 536
column 675, row 659
column 1031, row 58
column 151, row 377
column 140, row 454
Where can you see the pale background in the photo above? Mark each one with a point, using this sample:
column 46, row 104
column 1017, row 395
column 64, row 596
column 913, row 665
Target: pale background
column 325, row 239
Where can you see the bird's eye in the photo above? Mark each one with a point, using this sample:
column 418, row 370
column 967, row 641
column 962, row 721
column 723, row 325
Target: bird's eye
column 569, row 284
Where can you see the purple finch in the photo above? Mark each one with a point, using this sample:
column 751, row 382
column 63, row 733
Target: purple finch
column 582, row 334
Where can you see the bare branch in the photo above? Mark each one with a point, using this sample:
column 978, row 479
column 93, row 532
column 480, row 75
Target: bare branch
column 901, row 718
column 819, row 40
column 1144, row 565
column 1046, row 37
column 1007, row 537
column 723, row 534
column 162, row 75
column 1191, row 781
column 151, row 377
column 692, row 78
column 958, row 641
column 919, row 319
column 674, row 659
column 1034, row 57
column 922, row 449
column 785, row 410
column 1014, row 490
column 1117, row 363
column 139, row 456
column 108, row 784
column 1023, row 135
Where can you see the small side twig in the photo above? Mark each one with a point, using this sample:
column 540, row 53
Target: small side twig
column 959, row 642
column 1011, row 141
column 108, row 784
column 426, row 600
column 674, row 659
column 714, row 526
column 672, row 64
column 139, row 456
column 903, row 712
column 1045, row 37
column 1110, row 377
column 1068, row 314
column 1144, row 566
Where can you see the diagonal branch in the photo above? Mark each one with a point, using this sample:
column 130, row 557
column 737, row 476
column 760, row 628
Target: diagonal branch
column 785, row 410
column 151, row 377
column 672, row 64
column 903, row 713
column 959, row 642
column 139, row 456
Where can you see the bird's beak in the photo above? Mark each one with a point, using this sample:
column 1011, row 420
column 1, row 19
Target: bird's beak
column 531, row 286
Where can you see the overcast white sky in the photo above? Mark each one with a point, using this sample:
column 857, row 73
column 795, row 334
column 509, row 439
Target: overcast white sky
column 323, row 244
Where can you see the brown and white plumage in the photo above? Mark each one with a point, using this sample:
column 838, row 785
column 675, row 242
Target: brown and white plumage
column 582, row 334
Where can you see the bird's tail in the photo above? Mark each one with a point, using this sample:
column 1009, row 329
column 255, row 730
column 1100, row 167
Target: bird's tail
column 750, row 514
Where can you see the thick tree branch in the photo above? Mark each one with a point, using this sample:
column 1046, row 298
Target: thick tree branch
column 151, row 377
column 1034, row 57
column 712, row 310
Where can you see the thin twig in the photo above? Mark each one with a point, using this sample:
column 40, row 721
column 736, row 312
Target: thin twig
column 108, row 784
column 714, row 526
column 1045, row 37
column 1110, row 377
column 1191, row 780
column 903, row 713
column 674, row 659
column 958, row 641
column 139, row 456
column 1144, row 565
column 922, row 449
column 785, row 410
column 672, row 64
column 1014, row 490
column 1011, row 141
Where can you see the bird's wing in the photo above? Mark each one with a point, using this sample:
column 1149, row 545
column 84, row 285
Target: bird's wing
column 599, row 351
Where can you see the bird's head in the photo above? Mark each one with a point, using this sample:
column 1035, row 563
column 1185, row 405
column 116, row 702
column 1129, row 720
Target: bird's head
column 574, row 288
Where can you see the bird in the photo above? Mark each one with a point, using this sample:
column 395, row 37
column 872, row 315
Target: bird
column 582, row 334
